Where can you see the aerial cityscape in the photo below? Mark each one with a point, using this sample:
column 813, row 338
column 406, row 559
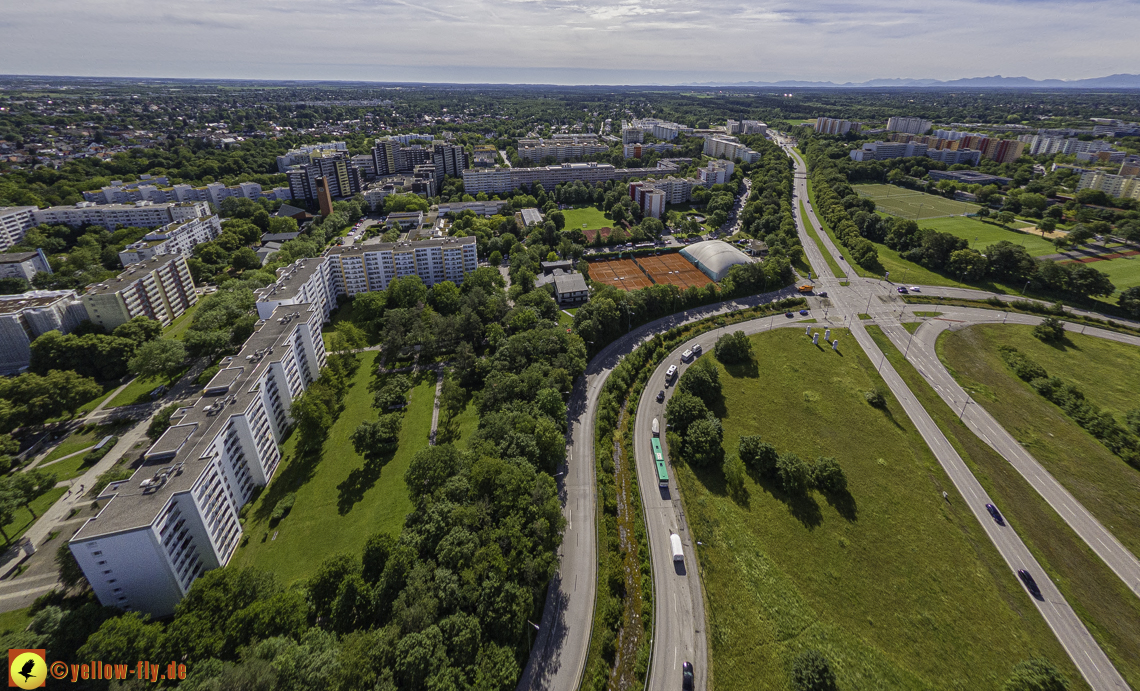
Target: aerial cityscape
column 525, row 367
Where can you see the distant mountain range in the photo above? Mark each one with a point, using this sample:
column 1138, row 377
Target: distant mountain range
column 1113, row 81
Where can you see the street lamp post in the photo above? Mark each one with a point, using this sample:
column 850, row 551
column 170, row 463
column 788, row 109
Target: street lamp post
column 1026, row 286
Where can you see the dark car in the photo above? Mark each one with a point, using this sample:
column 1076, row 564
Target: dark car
column 789, row 315
column 823, row 294
column 687, row 676
column 1030, row 584
column 995, row 513
column 661, row 395
column 902, row 289
column 803, row 312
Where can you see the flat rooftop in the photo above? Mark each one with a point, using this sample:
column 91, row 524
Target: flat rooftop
column 132, row 273
column 16, row 257
column 175, row 462
column 11, row 304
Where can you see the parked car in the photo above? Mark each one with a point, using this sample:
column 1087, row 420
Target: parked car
column 902, row 289
column 661, row 396
column 803, row 313
column 823, row 294
column 1030, row 584
column 996, row 514
column 789, row 315
column 914, row 289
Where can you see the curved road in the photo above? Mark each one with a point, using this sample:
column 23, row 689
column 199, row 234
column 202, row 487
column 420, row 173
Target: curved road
column 559, row 653
column 848, row 301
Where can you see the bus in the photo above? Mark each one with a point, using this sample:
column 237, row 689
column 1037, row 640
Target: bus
column 659, row 459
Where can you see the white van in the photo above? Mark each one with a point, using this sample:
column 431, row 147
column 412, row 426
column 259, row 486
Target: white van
column 697, row 350
column 671, row 373
column 686, row 356
column 678, row 553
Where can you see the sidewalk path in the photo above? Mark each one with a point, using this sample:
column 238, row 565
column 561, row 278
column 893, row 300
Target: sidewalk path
column 435, row 409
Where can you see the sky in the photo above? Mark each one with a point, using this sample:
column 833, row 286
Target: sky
column 571, row 41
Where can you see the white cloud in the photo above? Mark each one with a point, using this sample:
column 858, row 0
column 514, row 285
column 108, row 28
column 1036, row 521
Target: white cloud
column 571, row 41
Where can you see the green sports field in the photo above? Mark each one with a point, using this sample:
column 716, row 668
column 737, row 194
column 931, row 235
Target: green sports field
column 1123, row 272
column 899, row 201
column 981, row 235
column 586, row 218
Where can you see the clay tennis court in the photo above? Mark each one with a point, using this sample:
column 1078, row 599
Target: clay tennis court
column 620, row 273
column 674, row 269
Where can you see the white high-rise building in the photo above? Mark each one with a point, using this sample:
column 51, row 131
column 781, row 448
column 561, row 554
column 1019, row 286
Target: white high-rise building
column 724, row 148
column 177, row 516
column 112, row 216
column 908, row 125
column 834, row 126
column 179, row 237
column 26, row 316
column 15, row 222
column 160, row 288
column 562, row 149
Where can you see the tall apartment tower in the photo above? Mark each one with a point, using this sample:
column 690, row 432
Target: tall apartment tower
column 160, row 288
column 908, row 125
column 385, row 156
column 449, row 159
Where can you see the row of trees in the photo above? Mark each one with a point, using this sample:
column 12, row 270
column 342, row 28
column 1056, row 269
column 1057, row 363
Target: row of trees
column 834, row 199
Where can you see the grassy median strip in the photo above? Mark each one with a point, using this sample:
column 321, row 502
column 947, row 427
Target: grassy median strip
column 831, row 263
column 1109, row 375
column 1104, row 603
column 897, row 587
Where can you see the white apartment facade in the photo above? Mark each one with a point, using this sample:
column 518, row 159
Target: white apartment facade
column 719, row 147
column 301, row 154
column 908, row 125
column 23, row 265
column 1125, row 186
column 26, row 316
column 835, row 126
column 15, row 222
column 179, row 237
column 501, row 180
column 717, row 172
column 562, row 149
column 141, row 214
column 177, row 516
column 160, row 288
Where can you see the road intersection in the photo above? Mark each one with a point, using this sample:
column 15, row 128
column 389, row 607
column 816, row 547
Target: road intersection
column 559, row 655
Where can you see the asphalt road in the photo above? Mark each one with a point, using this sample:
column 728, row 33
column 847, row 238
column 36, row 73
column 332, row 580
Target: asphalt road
column 847, row 303
column 920, row 352
column 558, row 657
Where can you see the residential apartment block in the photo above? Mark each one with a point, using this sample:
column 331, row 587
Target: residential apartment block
column 834, row 126
column 179, row 237
column 653, row 195
column 970, row 157
column 488, row 208
column 717, row 172
column 215, row 193
column 160, row 288
column 661, row 129
column 367, row 268
column 908, row 125
column 1125, row 186
column 500, row 180
column 340, row 173
column 881, row 151
column 302, row 154
column 727, row 148
column 23, row 265
column 753, row 127
column 26, row 316
column 15, row 222
column 112, row 216
column 177, row 516
column 638, row 150
column 561, row 148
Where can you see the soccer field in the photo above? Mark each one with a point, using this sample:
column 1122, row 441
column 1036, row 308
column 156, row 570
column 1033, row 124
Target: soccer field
column 899, row 201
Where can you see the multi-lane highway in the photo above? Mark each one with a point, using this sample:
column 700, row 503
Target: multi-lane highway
column 559, row 654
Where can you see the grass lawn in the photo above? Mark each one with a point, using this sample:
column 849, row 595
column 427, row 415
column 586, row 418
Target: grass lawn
column 1123, row 272
column 565, row 320
column 15, row 621
column 1104, row 603
column 831, row 263
column 586, row 218
column 340, row 500
column 179, row 326
column 83, row 437
column 898, row 587
column 899, row 201
column 345, row 313
column 458, row 429
column 981, row 235
column 138, row 391
column 87, row 407
column 1109, row 375
column 22, row 520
